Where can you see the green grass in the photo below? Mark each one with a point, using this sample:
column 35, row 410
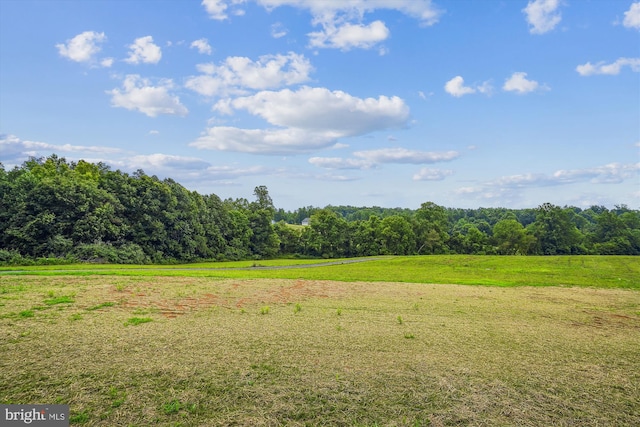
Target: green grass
column 592, row 271
column 138, row 320
column 351, row 352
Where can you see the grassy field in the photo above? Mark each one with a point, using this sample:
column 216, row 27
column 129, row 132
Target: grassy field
column 596, row 271
column 206, row 351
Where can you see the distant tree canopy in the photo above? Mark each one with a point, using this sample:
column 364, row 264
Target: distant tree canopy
column 52, row 210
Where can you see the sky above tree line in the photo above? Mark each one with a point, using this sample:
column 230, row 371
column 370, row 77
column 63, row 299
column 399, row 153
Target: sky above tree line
column 346, row 102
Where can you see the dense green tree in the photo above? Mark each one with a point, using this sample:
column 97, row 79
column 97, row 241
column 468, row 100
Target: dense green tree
column 511, row 238
column 396, row 235
column 431, row 229
column 556, row 234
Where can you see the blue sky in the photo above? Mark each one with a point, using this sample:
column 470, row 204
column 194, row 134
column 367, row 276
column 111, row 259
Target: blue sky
column 362, row 102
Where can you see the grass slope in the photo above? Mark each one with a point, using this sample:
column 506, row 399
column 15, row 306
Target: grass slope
column 593, row 271
column 186, row 351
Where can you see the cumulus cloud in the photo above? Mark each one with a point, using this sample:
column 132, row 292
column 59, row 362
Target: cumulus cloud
column 138, row 94
column 83, row 48
column 613, row 173
column 202, row 45
column 427, row 174
column 632, row 16
column 511, row 188
column 166, row 161
column 519, row 84
column 144, row 50
column 218, row 9
column 403, row 155
column 348, row 36
column 613, row 69
column 368, row 159
column 237, row 74
column 542, row 15
column 341, row 22
column 455, row 87
column 340, row 163
column 305, row 120
column 18, row 150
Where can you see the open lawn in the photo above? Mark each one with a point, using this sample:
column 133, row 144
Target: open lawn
column 206, row 351
column 592, row 271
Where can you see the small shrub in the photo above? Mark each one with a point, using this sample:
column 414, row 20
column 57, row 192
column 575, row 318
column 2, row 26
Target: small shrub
column 399, row 319
column 297, row 308
column 409, row 336
column 339, row 312
column 264, row 310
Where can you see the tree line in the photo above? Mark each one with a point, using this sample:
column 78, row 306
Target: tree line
column 52, row 210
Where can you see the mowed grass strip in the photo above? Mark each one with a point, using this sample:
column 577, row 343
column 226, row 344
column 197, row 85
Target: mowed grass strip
column 325, row 352
column 590, row 271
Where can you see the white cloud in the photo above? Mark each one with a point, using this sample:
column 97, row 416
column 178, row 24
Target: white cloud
column 217, row 9
column 519, row 83
column 372, row 158
column 348, row 36
column 455, row 87
column 278, row 30
column 165, row 161
column 144, row 50
column 83, row 47
column 611, row 173
column 238, row 73
column 402, row 155
column 202, row 45
column 138, row 94
column 106, row 62
column 262, row 141
column 614, row 68
column 340, row 163
column 542, row 15
column 321, row 110
column 632, row 16
column 342, row 21
column 16, row 149
column 426, row 174
column 306, row 120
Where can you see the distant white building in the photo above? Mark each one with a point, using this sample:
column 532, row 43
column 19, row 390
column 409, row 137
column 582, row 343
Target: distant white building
column 305, row 221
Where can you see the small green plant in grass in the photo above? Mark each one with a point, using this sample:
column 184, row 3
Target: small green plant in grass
column 59, row 300
column 172, row 407
column 297, row 308
column 120, row 287
column 416, row 307
column 339, row 312
column 138, row 320
column 118, row 397
column 409, row 336
column 101, row 305
column 79, row 418
column 76, row 316
column 26, row 313
column 264, row 310
column 399, row 319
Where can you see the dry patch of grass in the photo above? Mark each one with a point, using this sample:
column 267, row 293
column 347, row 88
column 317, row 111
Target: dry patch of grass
column 324, row 353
